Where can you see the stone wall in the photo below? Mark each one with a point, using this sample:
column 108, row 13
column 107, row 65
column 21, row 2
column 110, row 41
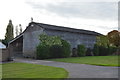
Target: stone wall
column 4, row 54
column 30, row 41
column 74, row 38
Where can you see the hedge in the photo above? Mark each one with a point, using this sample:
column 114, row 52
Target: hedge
column 96, row 50
column 52, row 47
column 81, row 50
column 66, row 48
column 103, row 51
column 42, row 52
column 56, row 51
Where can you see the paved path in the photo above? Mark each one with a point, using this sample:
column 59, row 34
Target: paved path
column 78, row 70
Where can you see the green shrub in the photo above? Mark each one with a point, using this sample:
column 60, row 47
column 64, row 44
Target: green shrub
column 103, row 51
column 112, row 50
column 52, row 47
column 42, row 52
column 66, row 48
column 96, row 50
column 56, row 51
column 81, row 50
column 89, row 52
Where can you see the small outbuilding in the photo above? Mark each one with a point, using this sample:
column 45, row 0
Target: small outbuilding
column 4, row 53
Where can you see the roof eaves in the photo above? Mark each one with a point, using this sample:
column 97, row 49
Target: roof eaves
column 16, row 38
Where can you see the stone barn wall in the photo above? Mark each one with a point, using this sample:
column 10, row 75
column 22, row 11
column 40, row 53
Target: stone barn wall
column 74, row 38
column 30, row 41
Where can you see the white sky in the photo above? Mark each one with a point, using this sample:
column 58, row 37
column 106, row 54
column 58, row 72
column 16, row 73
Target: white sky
column 99, row 17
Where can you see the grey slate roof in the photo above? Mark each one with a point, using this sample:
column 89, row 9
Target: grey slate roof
column 58, row 28
column 66, row 29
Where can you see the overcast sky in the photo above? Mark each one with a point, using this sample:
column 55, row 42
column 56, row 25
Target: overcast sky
column 94, row 15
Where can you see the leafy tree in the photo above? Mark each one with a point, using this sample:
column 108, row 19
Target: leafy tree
column 49, row 40
column 20, row 28
column 114, row 37
column 16, row 31
column 102, row 41
column 9, row 32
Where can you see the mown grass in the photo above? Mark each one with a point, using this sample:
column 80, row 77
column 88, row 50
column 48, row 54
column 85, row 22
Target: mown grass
column 92, row 60
column 25, row 70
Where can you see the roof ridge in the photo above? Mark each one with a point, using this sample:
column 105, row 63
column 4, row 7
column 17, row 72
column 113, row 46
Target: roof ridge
column 56, row 26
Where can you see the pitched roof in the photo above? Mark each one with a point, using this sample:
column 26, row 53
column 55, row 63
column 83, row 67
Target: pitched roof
column 57, row 28
column 66, row 29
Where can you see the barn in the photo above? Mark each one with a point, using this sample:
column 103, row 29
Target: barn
column 25, row 44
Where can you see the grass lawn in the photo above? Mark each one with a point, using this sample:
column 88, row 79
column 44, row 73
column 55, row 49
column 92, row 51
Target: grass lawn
column 25, row 70
column 93, row 60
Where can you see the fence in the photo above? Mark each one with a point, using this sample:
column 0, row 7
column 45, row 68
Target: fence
column 4, row 55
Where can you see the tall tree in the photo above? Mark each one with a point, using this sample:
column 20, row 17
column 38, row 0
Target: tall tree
column 20, row 28
column 114, row 38
column 16, row 31
column 9, row 32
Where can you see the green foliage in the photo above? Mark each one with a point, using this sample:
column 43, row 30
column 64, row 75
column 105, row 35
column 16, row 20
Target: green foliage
column 42, row 52
column 103, row 51
column 66, row 48
column 102, row 41
column 18, row 30
column 81, row 50
column 9, row 32
column 49, row 40
column 56, row 51
column 96, row 50
column 89, row 52
column 52, row 47
column 103, row 46
column 112, row 50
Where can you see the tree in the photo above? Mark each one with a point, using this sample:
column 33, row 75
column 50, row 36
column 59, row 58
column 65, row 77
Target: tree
column 16, row 31
column 114, row 37
column 20, row 28
column 49, row 40
column 9, row 32
column 102, row 41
